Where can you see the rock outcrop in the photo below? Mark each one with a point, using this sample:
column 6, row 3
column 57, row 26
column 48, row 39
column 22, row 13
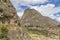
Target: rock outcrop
column 8, row 16
column 39, row 25
column 34, row 18
column 7, row 13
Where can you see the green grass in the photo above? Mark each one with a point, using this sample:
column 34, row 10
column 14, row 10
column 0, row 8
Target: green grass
column 3, row 31
column 34, row 31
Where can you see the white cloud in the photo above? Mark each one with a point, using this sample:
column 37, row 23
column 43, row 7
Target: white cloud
column 33, row 1
column 20, row 14
column 17, row 3
column 47, row 10
column 58, row 19
column 29, row 1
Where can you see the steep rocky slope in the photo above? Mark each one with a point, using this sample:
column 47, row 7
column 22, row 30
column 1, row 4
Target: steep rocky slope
column 33, row 17
column 8, row 17
column 40, row 27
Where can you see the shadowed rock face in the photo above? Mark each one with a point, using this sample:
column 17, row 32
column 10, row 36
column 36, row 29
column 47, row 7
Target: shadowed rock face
column 8, row 16
column 7, row 12
column 33, row 17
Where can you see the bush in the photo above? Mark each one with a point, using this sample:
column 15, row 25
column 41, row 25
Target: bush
column 28, row 25
column 34, row 31
column 37, row 26
column 58, row 25
column 3, row 31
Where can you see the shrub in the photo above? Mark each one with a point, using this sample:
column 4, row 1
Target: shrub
column 3, row 31
column 1, row 10
column 35, row 31
column 58, row 25
column 28, row 25
column 37, row 26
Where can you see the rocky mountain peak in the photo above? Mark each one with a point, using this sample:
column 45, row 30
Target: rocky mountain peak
column 19, row 29
column 38, row 25
column 33, row 17
column 7, row 12
column 31, row 11
column 9, row 17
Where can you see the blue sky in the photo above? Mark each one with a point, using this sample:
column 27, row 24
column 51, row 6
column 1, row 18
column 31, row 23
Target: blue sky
column 50, row 8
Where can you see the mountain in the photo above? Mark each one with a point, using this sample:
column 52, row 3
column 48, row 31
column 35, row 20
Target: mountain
column 10, row 19
column 34, row 18
column 14, row 28
column 40, row 27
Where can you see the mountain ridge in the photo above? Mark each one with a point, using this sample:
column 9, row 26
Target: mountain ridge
column 31, row 14
column 10, row 19
column 40, row 26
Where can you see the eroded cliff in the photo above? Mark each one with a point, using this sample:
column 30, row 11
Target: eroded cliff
column 9, row 17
